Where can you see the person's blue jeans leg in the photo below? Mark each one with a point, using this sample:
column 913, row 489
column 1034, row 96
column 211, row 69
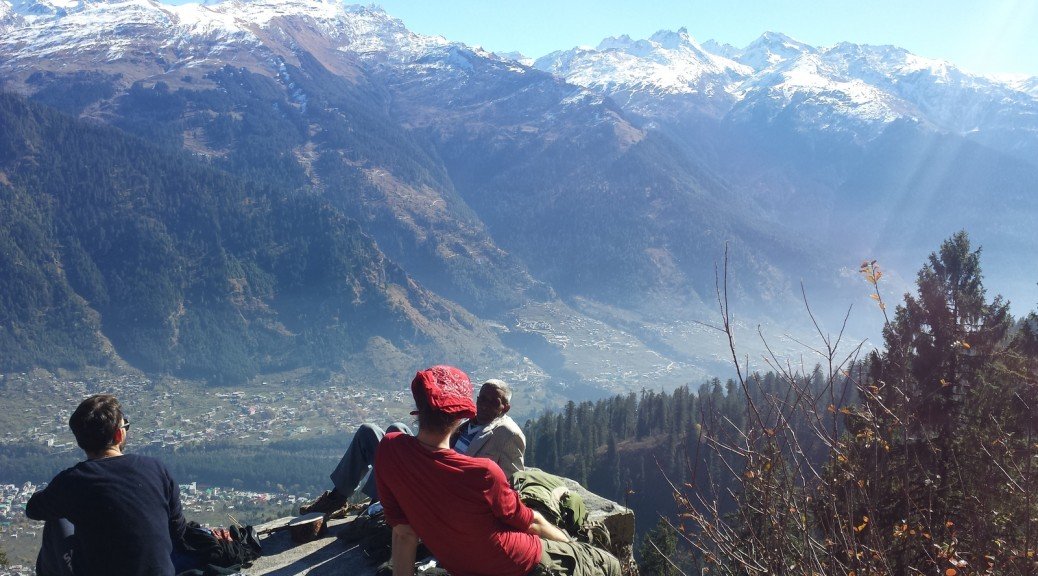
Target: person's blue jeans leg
column 57, row 550
column 359, row 456
column 369, row 485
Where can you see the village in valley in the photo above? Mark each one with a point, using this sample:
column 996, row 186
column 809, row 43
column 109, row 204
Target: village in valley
column 178, row 415
column 166, row 418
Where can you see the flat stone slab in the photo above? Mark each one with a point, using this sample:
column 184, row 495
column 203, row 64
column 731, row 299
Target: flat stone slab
column 326, row 555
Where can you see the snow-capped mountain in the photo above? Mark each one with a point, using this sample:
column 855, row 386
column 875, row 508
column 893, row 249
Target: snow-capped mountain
column 771, row 49
column 8, row 17
column 933, row 90
column 516, row 57
column 846, row 88
column 253, row 33
column 1027, row 84
column 826, row 115
column 808, row 88
column 639, row 72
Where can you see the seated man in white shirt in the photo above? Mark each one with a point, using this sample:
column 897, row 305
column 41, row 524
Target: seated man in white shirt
column 492, row 433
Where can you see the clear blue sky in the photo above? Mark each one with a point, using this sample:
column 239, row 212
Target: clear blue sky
column 987, row 36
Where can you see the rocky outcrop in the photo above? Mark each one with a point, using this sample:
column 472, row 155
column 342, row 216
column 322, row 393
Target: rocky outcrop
column 327, row 555
column 618, row 519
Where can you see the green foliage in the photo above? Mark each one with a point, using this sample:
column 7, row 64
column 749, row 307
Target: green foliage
column 41, row 323
column 943, row 336
column 635, row 448
column 72, row 93
column 297, row 467
column 33, row 463
column 942, row 447
column 657, row 547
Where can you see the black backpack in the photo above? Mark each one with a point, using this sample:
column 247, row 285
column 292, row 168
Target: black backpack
column 374, row 536
column 215, row 556
column 377, row 541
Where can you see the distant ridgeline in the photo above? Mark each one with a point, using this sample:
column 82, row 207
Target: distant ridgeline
column 115, row 248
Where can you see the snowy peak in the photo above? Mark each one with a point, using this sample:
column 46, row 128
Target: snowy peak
column 1025, row 84
column 772, row 49
column 666, row 74
column 863, row 88
column 668, row 47
column 673, row 40
column 515, row 57
column 42, row 7
column 809, row 88
column 668, row 62
column 726, row 50
column 852, row 88
column 105, row 32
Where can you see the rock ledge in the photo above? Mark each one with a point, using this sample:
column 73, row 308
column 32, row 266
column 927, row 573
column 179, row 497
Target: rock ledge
column 328, row 555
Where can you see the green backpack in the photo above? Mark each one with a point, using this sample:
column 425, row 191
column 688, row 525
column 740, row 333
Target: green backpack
column 549, row 495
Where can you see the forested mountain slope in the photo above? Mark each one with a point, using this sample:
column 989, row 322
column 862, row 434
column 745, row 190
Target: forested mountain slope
column 114, row 248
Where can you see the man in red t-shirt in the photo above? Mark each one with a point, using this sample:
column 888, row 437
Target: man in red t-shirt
column 463, row 508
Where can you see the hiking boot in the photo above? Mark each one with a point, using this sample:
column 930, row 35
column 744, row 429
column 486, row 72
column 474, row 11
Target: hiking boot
column 330, row 501
column 351, row 508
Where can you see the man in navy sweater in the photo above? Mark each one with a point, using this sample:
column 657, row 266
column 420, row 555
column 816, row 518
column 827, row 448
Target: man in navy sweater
column 113, row 513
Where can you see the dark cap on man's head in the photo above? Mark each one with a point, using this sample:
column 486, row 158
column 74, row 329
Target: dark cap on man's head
column 444, row 389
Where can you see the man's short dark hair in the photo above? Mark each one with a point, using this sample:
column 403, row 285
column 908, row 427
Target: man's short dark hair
column 95, row 421
column 432, row 419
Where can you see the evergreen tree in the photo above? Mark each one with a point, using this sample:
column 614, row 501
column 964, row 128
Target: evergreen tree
column 613, row 478
column 935, row 406
column 940, row 337
column 657, row 546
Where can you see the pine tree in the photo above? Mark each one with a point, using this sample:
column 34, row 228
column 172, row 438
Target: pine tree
column 919, row 452
column 657, row 546
column 946, row 333
column 612, row 466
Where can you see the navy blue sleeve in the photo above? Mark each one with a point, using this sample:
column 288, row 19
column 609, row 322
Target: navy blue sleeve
column 177, row 523
column 49, row 503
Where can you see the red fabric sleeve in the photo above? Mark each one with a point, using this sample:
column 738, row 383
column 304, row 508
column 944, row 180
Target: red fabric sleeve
column 505, row 503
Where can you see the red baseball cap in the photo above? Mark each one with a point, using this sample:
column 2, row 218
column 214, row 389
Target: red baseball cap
column 447, row 389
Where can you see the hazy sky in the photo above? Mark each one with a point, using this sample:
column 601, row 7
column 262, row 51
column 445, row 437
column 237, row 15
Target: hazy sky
column 989, row 36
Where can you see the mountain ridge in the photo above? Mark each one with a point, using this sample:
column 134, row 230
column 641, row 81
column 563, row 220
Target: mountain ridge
column 503, row 190
column 883, row 77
